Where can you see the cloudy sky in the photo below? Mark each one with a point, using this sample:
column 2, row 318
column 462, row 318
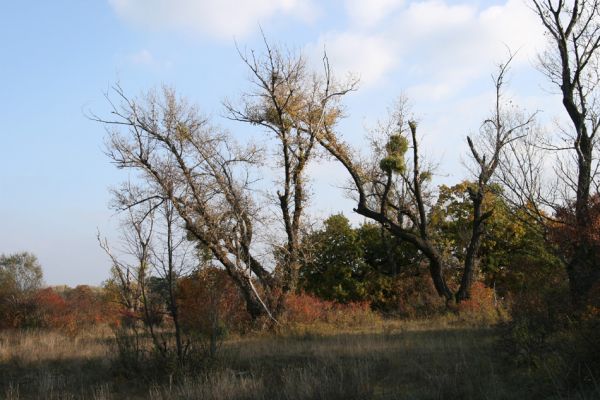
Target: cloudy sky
column 58, row 58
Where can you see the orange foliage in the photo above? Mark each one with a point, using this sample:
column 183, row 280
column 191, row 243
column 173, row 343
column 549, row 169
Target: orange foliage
column 567, row 234
column 52, row 309
column 69, row 311
column 306, row 309
column 482, row 305
column 414, row 296
column 210, row 297
column 86, row 307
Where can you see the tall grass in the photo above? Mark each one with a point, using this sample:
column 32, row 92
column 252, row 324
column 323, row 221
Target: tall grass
column 392, row 360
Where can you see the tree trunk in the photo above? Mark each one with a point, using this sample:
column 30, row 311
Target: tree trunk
column 584, row 273
column 468, row 276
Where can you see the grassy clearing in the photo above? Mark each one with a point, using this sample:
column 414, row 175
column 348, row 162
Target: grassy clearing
column 394, row 360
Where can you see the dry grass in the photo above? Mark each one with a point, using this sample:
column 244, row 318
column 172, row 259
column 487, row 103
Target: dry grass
column 30, row 347
column 393, row 360
column 50, row 365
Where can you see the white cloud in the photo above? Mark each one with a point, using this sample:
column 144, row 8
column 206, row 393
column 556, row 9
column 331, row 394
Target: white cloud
column 431, row 91
column 367, row 57
column 434, row 46
column 221, row 19
column 459, row 36
column 369, row 13
column 433, row 17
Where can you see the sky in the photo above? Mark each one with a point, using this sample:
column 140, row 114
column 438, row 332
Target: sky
column 59, row 58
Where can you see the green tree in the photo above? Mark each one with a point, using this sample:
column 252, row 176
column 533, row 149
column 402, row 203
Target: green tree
column 511, row 245
column 20, row 276
column 357, row 264
column 337, row 269
column 387, row 254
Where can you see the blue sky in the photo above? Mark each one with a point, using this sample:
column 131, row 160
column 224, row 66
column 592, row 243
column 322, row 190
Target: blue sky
column 58, row 58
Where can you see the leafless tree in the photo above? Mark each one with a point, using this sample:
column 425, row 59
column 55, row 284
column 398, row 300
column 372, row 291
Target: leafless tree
column 131, row 271
column 129, row 267
column 172, row 260
column 157, row 253
column 571, row 62
column 199, row 169
column 293, row 104
column 505, row 126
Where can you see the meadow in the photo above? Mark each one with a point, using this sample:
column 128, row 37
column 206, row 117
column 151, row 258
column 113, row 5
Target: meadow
column 442, row 358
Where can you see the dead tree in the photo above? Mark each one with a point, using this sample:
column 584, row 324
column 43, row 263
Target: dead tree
column 132, row 277
column 129, row 272
column 204, row 175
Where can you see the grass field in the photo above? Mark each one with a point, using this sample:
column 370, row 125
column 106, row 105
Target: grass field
column 395, row 360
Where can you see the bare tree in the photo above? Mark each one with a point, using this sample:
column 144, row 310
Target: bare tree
column 199, row 169
column 571, row 62
column 157, row 253
column 293, row 104
column 131, row 271
column 504, row 127
column 171, row 260
column 130, row 266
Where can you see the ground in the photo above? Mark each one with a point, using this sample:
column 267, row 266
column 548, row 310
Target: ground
column 439, row 359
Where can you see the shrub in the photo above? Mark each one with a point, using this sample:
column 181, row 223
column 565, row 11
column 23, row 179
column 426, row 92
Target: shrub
column 305, row 309
column 547, row 335
column 411, row 296
column 209, row 300
column 482, row 307
column 51, row 309
column 539, row 308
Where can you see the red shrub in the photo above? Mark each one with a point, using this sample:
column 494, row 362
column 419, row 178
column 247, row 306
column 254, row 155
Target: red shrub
column 306, row 309
column 481, row 306
column 52, row 309
column 567, row 234
column 210, row 297
column 85, row 305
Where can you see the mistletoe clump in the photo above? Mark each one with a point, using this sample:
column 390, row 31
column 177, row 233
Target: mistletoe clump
column 396, row 147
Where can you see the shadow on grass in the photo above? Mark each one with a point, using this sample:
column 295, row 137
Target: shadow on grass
column 414, row 364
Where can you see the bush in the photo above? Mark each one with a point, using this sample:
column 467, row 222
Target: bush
column 67, row 310
column 305, row 309
column 416, row 297
column 539, row 310
column 51, row 309
column 548, row 336
column 483, row 307
column 209, row 300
